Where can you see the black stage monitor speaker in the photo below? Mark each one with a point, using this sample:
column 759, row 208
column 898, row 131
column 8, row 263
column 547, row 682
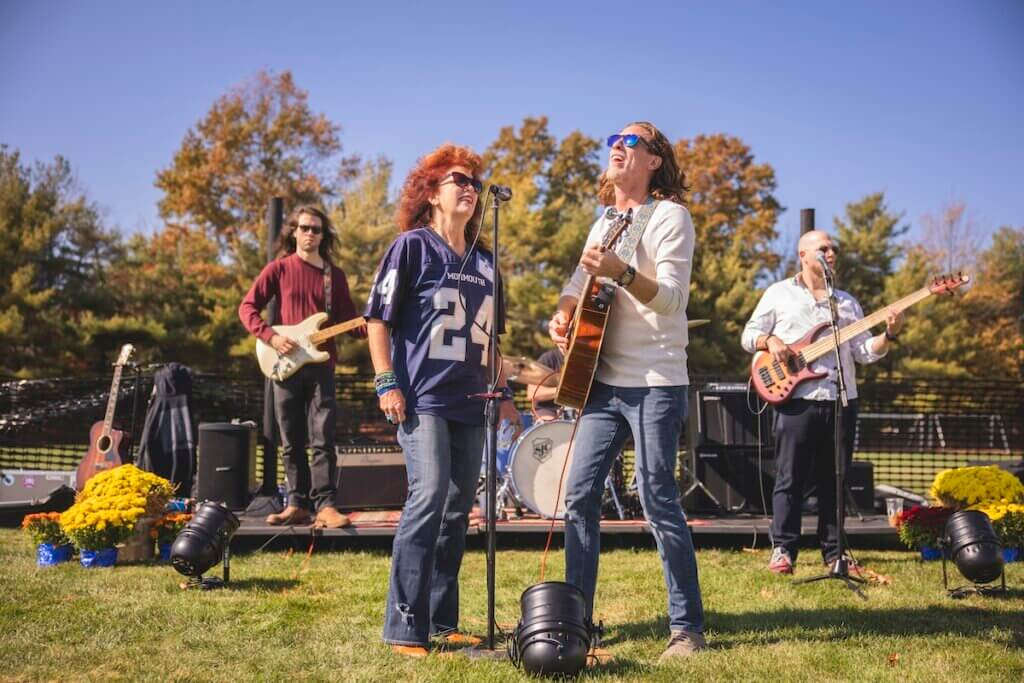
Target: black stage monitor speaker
column 227, row 463
column 371, row 476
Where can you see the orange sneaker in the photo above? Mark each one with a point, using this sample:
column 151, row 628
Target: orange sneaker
column 414, row 651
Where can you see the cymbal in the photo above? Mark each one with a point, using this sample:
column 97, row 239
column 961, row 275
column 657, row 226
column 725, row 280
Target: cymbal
column 527, row 371
column 697, row 323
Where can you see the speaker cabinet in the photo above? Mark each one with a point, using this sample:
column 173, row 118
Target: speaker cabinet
column 733, row 479
column 724, row 418
column 227, row 463
column 371, row 477
column 860, row 482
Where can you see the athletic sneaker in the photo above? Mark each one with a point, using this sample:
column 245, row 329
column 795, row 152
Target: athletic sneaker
column 781, row 562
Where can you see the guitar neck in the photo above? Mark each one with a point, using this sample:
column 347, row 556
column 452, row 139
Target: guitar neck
column 335, row 330
column 827, row 344
column 115, row 387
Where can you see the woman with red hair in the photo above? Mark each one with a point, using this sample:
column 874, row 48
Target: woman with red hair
column 429, row 323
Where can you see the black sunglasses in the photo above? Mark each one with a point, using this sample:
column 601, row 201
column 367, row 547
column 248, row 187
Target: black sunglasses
column 463, row 180
column 315, row 229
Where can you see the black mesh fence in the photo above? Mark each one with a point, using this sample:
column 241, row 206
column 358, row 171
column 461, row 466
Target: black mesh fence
column 908, row 428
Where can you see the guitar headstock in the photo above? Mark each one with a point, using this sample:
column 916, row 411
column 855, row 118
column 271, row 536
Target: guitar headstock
column 126, row 352
column 945, row 284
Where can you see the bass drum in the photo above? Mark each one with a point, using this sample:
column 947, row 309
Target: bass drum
column 538, row 462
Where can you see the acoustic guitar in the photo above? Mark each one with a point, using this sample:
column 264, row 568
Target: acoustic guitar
column 307, row 336
column 586, row 332
column 105, row 442
column 775, row 382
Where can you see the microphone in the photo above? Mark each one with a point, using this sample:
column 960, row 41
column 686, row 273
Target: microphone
column 502, row 192
column 824, row 264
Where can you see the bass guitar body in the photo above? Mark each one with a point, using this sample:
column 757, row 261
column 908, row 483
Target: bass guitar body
column 775, row 381
column 104, row 453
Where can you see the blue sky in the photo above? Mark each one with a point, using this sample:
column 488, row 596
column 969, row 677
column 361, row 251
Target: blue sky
column 921, row 100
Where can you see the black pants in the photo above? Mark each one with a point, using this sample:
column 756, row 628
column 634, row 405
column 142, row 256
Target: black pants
column 804, row 444
column 306, row 411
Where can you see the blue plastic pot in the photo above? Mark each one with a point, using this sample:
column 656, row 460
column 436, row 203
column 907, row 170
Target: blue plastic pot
column 48, row 554
column 91, row 559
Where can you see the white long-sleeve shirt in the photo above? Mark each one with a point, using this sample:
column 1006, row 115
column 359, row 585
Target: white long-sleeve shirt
column 645, row 344
column 788, row 310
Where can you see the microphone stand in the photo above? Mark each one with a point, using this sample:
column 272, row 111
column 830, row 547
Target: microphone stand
column 840, row 567
column 491, row 439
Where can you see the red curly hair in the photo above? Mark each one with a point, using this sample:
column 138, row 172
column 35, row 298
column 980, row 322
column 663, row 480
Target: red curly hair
column 414, row 209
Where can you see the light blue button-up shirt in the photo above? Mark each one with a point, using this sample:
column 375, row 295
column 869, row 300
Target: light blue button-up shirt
column 788, row 310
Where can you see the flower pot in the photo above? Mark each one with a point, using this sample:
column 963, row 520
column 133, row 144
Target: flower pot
column 1011, row 554
column 928, row 553
column 48, row 554
column 165, row 552
column 91, row 559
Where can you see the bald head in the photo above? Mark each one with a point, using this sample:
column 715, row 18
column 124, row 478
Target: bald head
column 812, row 240
column 810, row 243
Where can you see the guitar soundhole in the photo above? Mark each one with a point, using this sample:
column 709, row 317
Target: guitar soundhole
column 104, row 443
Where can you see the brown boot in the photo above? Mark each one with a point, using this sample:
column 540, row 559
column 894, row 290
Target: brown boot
column 329, row 518
column 290, row 516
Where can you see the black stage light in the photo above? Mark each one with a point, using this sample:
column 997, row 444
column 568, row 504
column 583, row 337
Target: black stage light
column 205, row 541
column 553, row 636
column 973, row 546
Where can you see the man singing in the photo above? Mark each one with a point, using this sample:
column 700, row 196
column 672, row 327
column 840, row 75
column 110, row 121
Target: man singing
column 641, row 380
column 805, row 425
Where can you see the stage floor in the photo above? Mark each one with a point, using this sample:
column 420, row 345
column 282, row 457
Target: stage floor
column 385, row 523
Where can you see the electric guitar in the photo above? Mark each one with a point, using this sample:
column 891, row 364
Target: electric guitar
column 586, row 332
column 105, row 442
column 775, row 381
column 307, row 336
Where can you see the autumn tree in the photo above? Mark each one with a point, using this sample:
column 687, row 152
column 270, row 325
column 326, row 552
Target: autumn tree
column 545, row 225
column 54, row 253
column 995, row 307
column 734, row 212
column 260, row 140
column 869, row 249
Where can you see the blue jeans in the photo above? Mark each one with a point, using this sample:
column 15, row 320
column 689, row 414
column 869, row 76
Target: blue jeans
column 654, row 416
column 442, row 459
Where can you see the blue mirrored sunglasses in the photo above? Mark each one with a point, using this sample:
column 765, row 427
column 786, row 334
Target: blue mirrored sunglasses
column 630, row 140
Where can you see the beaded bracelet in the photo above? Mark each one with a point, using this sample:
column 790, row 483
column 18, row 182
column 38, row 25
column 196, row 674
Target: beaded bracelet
column 384, row 382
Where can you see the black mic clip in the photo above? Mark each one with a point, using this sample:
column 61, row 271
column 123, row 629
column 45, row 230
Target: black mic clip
column 502, row 193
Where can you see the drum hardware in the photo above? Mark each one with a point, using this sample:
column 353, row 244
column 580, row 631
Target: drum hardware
column 526, row 371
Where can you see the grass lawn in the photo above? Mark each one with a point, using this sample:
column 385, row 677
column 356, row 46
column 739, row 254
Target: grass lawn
column 288, row 618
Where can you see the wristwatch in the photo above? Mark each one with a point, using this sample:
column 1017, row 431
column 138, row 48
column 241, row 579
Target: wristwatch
column 890, row 337
column 627, row 277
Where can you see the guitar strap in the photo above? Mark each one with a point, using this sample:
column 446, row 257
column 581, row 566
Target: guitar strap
column 327, row 290
column 627, row 243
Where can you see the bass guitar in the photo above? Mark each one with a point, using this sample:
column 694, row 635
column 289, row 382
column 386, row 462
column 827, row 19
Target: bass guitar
column 307, row 336
column 105, row 442
column 775, row 381
column 586, row 332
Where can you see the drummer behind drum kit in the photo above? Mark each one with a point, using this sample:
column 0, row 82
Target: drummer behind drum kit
column 533, row 470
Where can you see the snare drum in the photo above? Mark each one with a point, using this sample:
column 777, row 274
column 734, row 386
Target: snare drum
column 538, row 457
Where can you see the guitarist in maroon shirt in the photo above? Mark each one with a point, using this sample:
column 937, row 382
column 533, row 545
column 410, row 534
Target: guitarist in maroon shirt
column 304, row 403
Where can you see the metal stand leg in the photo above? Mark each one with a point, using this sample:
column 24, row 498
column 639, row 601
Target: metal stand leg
column 615, row 496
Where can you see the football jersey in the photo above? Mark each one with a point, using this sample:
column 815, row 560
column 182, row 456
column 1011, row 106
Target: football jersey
column 439, row 307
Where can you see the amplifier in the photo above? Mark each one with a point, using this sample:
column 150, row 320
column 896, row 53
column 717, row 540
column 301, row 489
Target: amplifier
column 371, row 476
column 26, row 491
column 723, row 417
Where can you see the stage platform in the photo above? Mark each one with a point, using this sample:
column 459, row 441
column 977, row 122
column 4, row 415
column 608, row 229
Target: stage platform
column 383, row 523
